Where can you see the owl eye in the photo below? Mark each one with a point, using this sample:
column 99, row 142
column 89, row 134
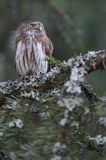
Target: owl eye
column 38, row 27
column 33, row 25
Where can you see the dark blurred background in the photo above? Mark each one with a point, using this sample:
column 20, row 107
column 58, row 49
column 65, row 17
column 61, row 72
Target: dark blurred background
column 74, row 26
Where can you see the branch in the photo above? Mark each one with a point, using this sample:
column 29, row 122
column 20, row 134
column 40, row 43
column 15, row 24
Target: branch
column 96, row 60
column 55, row 78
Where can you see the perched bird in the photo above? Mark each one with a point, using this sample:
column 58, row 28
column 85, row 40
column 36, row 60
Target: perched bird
column 32, row 48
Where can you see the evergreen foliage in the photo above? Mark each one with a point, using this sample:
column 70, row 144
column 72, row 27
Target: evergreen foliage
column 55, row 116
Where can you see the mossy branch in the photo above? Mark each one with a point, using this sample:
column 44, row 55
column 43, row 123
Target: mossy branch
column 56, row 77
column 62, row 117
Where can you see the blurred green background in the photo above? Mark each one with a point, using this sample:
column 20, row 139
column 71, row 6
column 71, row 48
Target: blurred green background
column 74, row 27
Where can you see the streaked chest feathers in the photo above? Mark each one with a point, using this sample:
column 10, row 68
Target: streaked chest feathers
column 30, row 58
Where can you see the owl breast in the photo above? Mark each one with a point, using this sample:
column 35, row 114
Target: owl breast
column 30, row 57
column 41, row 60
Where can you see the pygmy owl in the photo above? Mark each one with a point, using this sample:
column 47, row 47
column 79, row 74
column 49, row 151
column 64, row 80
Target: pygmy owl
column 32, row 48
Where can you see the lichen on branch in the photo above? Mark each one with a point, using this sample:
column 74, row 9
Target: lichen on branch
column 58, row 75
column 58, row 101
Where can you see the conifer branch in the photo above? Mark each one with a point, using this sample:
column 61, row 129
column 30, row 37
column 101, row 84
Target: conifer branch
column 55, row 78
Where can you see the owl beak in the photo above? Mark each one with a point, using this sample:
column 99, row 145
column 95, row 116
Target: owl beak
column 40, row 28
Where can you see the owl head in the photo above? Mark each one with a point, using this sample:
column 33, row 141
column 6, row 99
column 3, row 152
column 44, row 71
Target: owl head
column 31, row 28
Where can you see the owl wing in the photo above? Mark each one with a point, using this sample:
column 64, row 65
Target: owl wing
column 47, row 46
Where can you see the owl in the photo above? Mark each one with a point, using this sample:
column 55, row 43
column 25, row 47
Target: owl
column 32, row 48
